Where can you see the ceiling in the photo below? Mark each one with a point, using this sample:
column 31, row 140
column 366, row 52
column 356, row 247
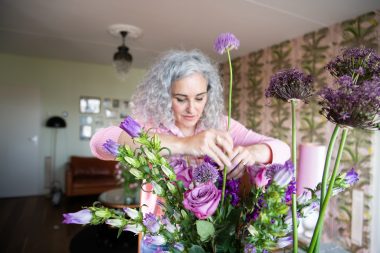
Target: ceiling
column 76, row 30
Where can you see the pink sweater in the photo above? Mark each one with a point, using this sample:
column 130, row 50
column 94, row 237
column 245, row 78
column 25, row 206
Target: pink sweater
column 240, row 134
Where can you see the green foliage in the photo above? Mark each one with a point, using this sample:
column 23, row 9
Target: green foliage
column 205, row 230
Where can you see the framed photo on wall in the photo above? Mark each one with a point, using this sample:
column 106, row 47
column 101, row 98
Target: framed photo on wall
column 89, row 105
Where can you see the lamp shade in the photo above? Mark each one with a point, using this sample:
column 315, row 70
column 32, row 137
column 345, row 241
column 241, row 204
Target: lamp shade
column 56, row 122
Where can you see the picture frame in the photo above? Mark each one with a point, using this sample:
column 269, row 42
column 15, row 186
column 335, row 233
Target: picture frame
column 89, row 105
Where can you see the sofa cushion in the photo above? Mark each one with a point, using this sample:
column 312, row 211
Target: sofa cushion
column 91, row 166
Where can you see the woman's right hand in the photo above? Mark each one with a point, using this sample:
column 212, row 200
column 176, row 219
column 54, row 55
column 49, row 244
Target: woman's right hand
column 214, row 143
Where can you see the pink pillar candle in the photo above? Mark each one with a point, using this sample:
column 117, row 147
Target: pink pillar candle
column 310, row 167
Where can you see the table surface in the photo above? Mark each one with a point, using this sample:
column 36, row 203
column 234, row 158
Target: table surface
column 116, row 198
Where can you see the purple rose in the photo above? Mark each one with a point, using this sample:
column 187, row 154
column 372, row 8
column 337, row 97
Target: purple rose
column 182, row 172
column 202, row 200
column 130, row 126
column 81, row 217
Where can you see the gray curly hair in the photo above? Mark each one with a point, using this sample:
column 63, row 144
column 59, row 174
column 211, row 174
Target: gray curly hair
column 151, row 103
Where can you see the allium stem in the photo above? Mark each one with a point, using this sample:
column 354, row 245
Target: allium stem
column 318, row 227
column 294, row 159
column 228, row 121
column 326, row 174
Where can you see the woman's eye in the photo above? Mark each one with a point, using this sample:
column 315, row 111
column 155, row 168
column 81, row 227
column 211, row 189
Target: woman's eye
column 180, row 100
column 199, row 99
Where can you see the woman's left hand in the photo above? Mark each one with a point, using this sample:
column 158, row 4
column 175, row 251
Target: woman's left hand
column 242, row 157
column 245, row 156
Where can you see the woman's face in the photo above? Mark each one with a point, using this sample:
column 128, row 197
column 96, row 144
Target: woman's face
column 189, row 97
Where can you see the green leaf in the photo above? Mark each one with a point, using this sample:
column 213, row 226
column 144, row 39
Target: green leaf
column 205, row 229
column 196, row 249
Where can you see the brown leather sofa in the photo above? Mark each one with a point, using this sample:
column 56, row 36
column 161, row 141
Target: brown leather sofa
column 89, row 175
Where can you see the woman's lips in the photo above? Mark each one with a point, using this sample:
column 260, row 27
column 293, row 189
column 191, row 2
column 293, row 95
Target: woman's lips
column 189, row 117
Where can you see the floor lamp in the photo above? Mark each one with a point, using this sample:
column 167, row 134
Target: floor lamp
column 55, row 122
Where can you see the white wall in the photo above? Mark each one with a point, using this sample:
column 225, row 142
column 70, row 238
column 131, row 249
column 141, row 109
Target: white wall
column 61, row 83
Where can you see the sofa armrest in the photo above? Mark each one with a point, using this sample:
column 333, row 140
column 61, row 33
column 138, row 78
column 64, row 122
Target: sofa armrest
column 69, row 180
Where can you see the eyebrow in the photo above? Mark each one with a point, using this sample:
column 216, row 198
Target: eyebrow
column 183, row 95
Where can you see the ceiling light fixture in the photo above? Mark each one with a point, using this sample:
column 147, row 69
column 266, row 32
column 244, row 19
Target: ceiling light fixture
column 122, row 59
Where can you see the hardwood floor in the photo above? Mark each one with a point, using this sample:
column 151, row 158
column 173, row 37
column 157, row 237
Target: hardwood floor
column 33, row 224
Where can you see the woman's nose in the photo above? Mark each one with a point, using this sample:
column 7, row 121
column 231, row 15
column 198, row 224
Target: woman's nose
column 190, row 107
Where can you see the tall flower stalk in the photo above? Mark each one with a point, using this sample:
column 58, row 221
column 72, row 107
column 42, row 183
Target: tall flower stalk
column 291, row 85
column 225, row 42
column 354, row 103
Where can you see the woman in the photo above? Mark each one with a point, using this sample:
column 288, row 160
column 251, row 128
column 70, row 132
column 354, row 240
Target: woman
column 181, row 99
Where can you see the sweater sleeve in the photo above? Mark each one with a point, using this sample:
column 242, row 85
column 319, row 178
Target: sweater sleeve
column 245, row 137
column 100, row 137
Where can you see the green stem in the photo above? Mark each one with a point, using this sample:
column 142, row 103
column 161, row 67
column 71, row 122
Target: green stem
column 294, row 160
column 318, row 227
column 228, row 121
column 325, row 176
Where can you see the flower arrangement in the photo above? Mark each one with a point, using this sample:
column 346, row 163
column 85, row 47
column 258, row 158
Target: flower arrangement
column 203, row 211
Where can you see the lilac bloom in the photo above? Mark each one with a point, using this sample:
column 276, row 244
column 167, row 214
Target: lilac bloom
column 112, row 147
column 205, row 173
column 130, row 126
column 132, row 213
column 284, row 242
column 168, row 225
column 226, row 41
column 179, row 246
column 290, row 84
column 351, row 177
column 154, row 239
column 134, row 228
column 290, row 190
column 283, row 176
column 114, row 222
column 249, row 248
column 81, row 217
column 151, row 223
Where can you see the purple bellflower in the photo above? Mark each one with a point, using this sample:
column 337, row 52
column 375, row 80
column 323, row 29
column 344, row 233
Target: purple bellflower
column 112, row 147
column 81, row 217
column 130, row 126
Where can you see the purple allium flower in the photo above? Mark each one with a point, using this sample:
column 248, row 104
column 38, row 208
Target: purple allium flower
column 114, row 223
column 154, row 239
column 226, row 41
column 355, row 106
column 81, row 217
column 309, row 209
column 351, row 177
column 151, row 223
column 130, row 126
column 112, row 147
column 290, row 190
column 290, row 84
column 205, row 173
column 249, row 248
column 363, row 63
